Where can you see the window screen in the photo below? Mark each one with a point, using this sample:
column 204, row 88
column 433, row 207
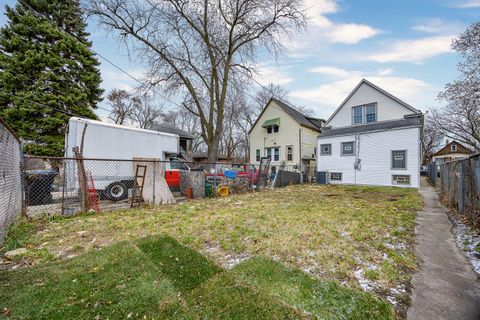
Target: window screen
column 276, row 154
column 347, row 148
column 401, row 179
column 399, row 159
column 370, row 113
column 289, row 153
column 325, row 149
column 336, row 176
column 257, row 156
column 357, row 115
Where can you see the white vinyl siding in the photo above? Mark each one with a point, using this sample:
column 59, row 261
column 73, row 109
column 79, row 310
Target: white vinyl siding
column 375, row 151
column 386, row 107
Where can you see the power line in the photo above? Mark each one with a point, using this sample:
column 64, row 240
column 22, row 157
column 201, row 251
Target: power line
column 98, row 54
column 45, row 105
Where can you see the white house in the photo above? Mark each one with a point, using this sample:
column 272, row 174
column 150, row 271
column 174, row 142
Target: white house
column 285, row 135
column 373, row 138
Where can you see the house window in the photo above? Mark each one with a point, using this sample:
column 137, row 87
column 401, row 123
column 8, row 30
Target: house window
column 272, row 129
column 273, row 153
column 289, row 153
column 364, row 114
column 453, row 147
column 335, row 176
column 370, row 113
column 399, row 159
column 257, row 155
column 325, row 149
column 357, row 114
column 400, row 179
column 348, row 148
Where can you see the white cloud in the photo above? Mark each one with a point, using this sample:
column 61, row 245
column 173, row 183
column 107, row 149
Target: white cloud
column 334, row 72
column 416, row 50
column 351, row 33
column 272, row 74
column 321, row 28
column 466, row 4
column 325, row 98
column 438, row 26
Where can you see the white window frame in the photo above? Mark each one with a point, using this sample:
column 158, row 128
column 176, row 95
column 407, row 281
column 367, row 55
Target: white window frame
column 405, row 177
column 363, row 108
column 272, row 128
column 454, row 148
column 331, row 176
column 392, row 158
column 258, row 155
column 270, row 153
column 288, row 149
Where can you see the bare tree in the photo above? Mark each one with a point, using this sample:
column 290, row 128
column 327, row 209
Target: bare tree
column 186, row 121
column 196, row 48
column 431, row 139
column 460, row 119
column 144, row 112
column 121, row 104
column 263, row 96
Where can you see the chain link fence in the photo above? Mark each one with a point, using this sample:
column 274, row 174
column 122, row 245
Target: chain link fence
column 460, row 187
column 10, row 178
column 66, row 186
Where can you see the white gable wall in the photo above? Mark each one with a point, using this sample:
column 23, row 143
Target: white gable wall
column 290, row 134
column 387, row 108
column 374, row 149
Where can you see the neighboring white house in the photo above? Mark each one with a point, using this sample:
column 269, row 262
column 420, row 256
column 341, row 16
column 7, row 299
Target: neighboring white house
column 285, row 135
column 452, row 151
column 373, row 138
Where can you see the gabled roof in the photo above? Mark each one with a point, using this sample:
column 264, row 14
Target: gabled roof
column 448, row 149
column 170, row 128
column 407, row 121
column 303, row 119
column 388, row 94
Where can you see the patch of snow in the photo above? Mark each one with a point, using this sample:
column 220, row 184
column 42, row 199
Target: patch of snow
column 365, row 284
column 398, row 246
column 468, row 242
column 232, row 260
column 395, row 292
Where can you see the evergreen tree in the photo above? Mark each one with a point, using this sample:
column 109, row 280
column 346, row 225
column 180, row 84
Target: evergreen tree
column 47, row 72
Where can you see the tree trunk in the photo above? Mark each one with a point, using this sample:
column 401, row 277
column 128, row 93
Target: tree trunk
column 213, row 151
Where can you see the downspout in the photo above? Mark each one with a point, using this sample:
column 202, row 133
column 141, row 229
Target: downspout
column 300, row 152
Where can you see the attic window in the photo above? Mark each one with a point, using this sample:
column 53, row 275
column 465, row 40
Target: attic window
column 364, row 114
column 454, row 148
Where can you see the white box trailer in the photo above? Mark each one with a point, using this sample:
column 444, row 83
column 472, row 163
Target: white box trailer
column 111, row 141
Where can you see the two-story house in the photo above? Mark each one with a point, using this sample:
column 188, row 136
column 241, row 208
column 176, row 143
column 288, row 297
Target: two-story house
column 285, row 134
column 373, row 138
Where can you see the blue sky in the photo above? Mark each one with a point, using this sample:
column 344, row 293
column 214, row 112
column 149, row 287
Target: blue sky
column 402, row 46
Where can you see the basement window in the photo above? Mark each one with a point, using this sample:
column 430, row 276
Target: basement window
column 335, row 176
column 400, row 179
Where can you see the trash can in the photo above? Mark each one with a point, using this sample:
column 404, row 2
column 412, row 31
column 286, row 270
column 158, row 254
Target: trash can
column 208, row 189
column 321, row 177
column 38, row 187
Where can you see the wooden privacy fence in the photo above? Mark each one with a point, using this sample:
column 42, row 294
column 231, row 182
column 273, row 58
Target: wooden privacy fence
column 460, row 187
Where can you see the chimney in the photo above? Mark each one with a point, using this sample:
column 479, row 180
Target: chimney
column 448, row 141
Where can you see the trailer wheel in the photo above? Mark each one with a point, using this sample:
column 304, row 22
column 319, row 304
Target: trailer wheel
column 117, row 191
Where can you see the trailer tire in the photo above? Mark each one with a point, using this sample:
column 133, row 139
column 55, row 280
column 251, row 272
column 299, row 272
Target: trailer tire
column 117, row 191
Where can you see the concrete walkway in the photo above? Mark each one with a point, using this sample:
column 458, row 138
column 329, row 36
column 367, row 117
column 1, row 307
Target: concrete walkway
column 445, row 286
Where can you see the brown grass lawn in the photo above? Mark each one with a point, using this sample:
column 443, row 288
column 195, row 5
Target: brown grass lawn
column 359, row 236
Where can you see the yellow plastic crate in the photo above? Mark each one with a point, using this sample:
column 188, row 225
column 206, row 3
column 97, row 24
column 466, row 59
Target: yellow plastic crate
column 223, row 191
